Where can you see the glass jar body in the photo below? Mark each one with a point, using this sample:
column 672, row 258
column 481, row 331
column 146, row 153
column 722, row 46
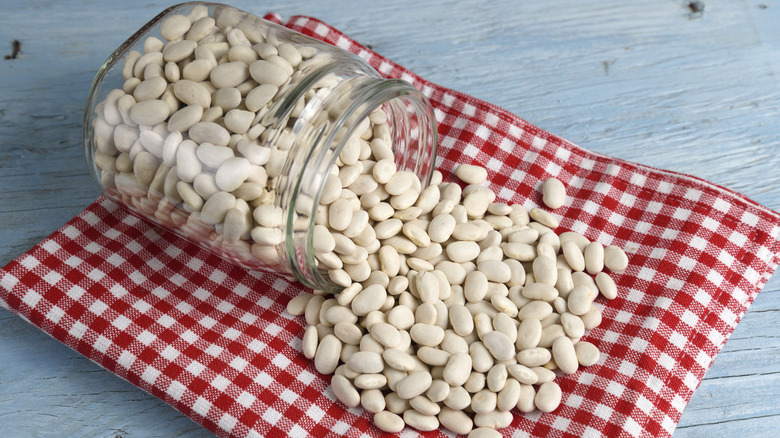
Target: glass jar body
column 227, row 129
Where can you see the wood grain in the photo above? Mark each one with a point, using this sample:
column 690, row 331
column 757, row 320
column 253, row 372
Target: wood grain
column 646, row 81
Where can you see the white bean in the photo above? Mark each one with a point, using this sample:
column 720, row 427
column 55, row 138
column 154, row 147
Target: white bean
column 400, row 182
column 426, row 334
column 328, row 352
column 544, row 217
column 149, row 112
column 416, row 234
column 441, row 227
column 553, row 193
column 433, row 356
column 175, row 27
column 239, row 121
column 615, row 259
column 384, row 170
column 229, row 74
column 461, row 320
column 310, row 341
column 183, row 119
column 458, row 368
column 522, row 374
column 297, row 305
column 534, row 357
column 573, row 325
column 424, row 406
column 192, row 93
column 496, row 377
column 458, row 398
column 340, row 214
column 389, row 422
column 438, row 391
column 477, row 202
column 414, row 385
column 606, row 285
column 573, row 255
column 497, row 419
column 564, row 354
column 370, row 381
column 535, row 310
column 232, row 173
column 398, row 359
column 213, row 156
column 471, row 174
column 522, row 252
column 372, row 400
column 499, row 345
column 548, row 397
column 540, row 291
column 456, row 420
column 366, row 362
column 475, row 286
column 454, row 343
column 580, row 300
column 216, row 207
column 484, row 401
column 187, row 164
column 528, row 333
column 551, row 332
column 265, row 72
column 484, row 432
column 345, row 391
column 460, row 252
column 420, row 421
column 594, row 257
column 591, row 318
column 509, row 395
column 385, row 334
column 587, row 353
column 369, row 299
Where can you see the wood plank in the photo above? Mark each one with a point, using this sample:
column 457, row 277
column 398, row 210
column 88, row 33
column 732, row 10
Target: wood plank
column 641, row 80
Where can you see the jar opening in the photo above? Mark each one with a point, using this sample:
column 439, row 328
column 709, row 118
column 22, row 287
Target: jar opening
column 321, row 139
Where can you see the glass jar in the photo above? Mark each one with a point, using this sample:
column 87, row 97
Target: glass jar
column 229, row 130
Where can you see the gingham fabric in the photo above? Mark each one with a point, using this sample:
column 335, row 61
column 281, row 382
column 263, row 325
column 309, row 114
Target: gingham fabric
column 214, row 340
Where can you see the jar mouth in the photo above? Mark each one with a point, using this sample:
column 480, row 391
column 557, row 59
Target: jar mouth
column 320, row 139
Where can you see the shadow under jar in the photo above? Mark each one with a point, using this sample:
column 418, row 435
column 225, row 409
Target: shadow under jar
column 239, row 134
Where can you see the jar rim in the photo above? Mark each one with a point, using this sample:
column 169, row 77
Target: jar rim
column 369, row 94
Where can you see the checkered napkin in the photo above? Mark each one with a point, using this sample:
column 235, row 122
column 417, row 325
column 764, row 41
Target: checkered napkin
column 214, row 340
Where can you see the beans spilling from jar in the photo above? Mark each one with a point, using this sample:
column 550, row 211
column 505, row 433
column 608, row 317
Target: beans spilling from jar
column 456, row 310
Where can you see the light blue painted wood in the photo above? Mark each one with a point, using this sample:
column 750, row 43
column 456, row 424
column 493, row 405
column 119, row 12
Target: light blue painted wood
column 641, row 80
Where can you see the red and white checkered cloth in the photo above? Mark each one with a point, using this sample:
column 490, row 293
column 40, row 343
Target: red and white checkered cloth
column 214, row 340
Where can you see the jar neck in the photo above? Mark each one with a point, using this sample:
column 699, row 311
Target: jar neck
column 321, row 131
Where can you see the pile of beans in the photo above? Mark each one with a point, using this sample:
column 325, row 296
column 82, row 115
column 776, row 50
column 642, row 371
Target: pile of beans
column 464, row 311
column 454, row 309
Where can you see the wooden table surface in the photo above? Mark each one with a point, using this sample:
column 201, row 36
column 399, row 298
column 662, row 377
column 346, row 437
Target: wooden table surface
column 646, row 80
